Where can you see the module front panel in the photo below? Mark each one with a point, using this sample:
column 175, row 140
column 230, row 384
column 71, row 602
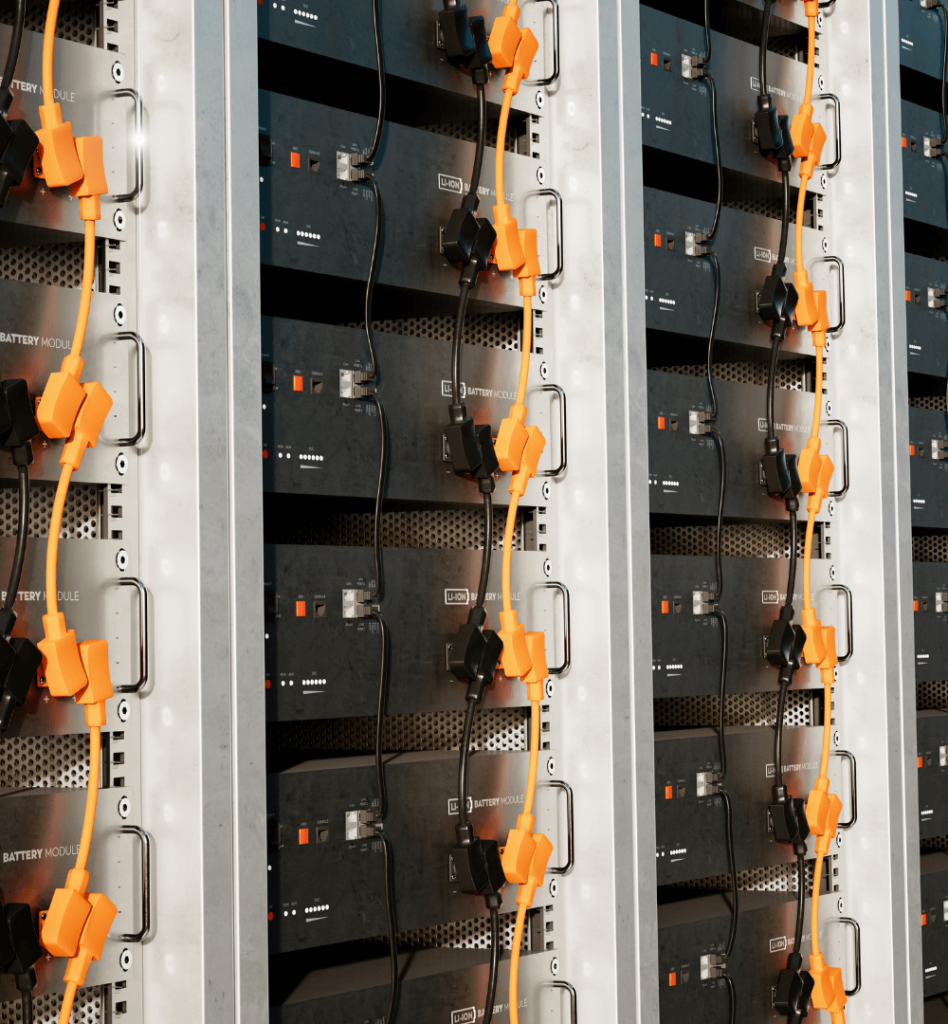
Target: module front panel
column 926, row 322
column 930, row 602
column 932, row 773
column 921, row 37
column 928, row 451
column 934, row 917
column 923, row 178
column 326, row 874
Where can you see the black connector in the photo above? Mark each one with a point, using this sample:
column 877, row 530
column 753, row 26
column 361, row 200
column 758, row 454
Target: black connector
column 781, row 476
column 477, row 863
column 23, row 660
column 18, row 424
column 18, row 143
column 471, row 447
column 773, row 133
column 20, row 948
column 478, row 63
column 793, row 991
column 456, row 35
column 785, row 644
column 458, row 238
column 788, row 815
column 777, row 300
column 466, row 650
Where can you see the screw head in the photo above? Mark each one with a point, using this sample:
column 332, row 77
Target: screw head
column 124, row 807
column 119, row 314
column 551, row 766
column 822, row 83
column 544, row 371
column 547, row 490
column 829, row 408
column 831, row 507
column 541, row 176
column 826, row 245
column 542, row 293
column 824, row 181
column 125, row 960
column 118, row 72
column 118, row 219
column 554, row 887
column 554, row 966
column 547, row 567
column 121, row 559
column 548, row 689
column 839, row 904
column 833, row 573
column 839, row 840
column 121, row 463
column 819, row 24
column 836, row 737
column 124, row 711
column 539, row 99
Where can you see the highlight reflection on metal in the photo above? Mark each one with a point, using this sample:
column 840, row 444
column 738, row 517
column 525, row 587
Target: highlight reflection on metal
column 567, row 657
column 141, row 934
column 852, row 766
column 131, row 581
column 127, row 197
column 570, row 860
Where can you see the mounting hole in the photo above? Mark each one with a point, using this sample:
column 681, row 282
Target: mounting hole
column 541, row 176
column 118, row 219
column 542, row 293
column 547, row 567
column 118, row 73
column 124, row 807
column 822, row 83
column 554, row 966
column 539, row 98
column 124, row 711
column 125, row 960
column 121, row 559
column 547, row 490
column 544, row 371
column 554, row 887
column 551, row 766
column 120, row 315
column 121, row 463
column 548, row 689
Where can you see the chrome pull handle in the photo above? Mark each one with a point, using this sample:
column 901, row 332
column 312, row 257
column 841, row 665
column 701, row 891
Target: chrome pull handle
column 842, row 292
column 127, row 197
column 142, row 933
column 130, row 442
column 567, row 987
column 841, row 588
column 851, row 758
column 556, row 47
column 834, row 99
column 559, row 670
column 857, row 937
column 552, row 193
column 841, row 426
column 567, row 789
column 561, row 468
column 131, row 581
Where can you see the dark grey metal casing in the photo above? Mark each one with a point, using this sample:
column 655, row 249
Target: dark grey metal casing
column 686, row 648
column 684, row 468
column 318, row 223
column 327, row 666
column 679, row 289
column 932, row 773
column 333, row 890
column 690, row 829
column 924, row 180
column 921, row 39
column 934, row 915
column 319, row 443
column 931, row 623
column 927, row 328
column 929, row 476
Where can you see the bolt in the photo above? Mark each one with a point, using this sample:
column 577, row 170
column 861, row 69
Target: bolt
column 831, row 507
column 829, row 408
column 839, row 904
column 824, row 181
column 551, row 766
column 544, row 371
column 121, row 559
column 539, row 98
column 554, row 966
column 121, row 464
column 819, row 24
column 548, row 689
column 826, row 245
column 554, row 887
column 119, row 314
column 547, row 491
column 836, row 737
column 125, row 960
column 839, row 840
column 118, row 72
column 822, row 83
column 547, row 567
column 833, row 573
column 542, row 293
column 124, row 807
column 124, row 711
column 118, row 219
column 541, row 176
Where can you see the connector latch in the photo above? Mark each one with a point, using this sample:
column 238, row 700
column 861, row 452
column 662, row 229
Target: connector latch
column 347, row 167
column 936, row 298
column 352, row 384
column 695, row 243
column 703, row 602
column 939, row 449
column 355, row 604
column 699, row 422
column 712, row 966
column 933, row 148
column 692, row 66
column 707, row 783
column 359, row 826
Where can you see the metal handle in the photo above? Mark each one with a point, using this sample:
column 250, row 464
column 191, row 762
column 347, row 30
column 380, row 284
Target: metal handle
column 127, row 197
column 561, row 468
column 568, row 866
column 842, row 426
column 854, row 924
column 839, row 133
column 559, row 229
column 130, row 442
column 567, row 657
column 567, row 987
column 842, row 293
column 556, row 48
column 139, row 936
column 131, row 581
column 851, row 758
column 841, row 588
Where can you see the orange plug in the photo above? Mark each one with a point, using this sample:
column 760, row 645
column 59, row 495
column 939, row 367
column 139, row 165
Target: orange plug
column 61, row 926
column 511, row 439
column 809, row 466
column 814, row 650
column 515, row 659
column 808, row 141
column 57, row 159
column 92, row 942
column 530, row 270
column 92, row 184
column 85, row 433
column 62, row 663
column 532, row 451
column 508, row 251
column 62, row 398
column 541, row 857
column 807, row 310
column 823, row 809
column 95, row 661
column 829, row 993
column 811, row 8
column 819, row 329
column 538, row 671
column 829, row 663
column 519, row 850
column 505, row 38
column 815, row 500
column 526, row 51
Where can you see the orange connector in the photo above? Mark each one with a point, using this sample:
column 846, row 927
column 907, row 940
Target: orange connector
column 62, row 398
column 95, row 661
column 829, row 993
column 62, row 663
column 88, row 425
column 819, row 329
column 508, row 252
column 511, row 439
column 814, row 651
column 532, row 451
column 92, row 941
column 92, row 183
column 807, row 310
column 518, row 853
column 522, row 62
column 515, row 659
column 808, row 141
column 541, row 857
column 823, row 809
column 830, row 661
column 811, row 8
column 536, row 675
column 815, row 500
column 505, row 35
column 61, row 926
column 530, row 270
column 57, row 158
column 810, row 466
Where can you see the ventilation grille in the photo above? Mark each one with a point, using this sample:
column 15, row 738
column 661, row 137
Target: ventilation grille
column 45, row 762
column 80, row 517
column 77, row 19
column 790, row 373
column 466, row 131
column 59, row 264
column 930, row 547
column 440, row 530
column 936, row 402
column 932, row 696
column 740, row 540
column 778, row 878
column 758, row 709
column 89, row 1008
column 931, row 845
column 472, row 934
column 494, row 729
column 490, row 330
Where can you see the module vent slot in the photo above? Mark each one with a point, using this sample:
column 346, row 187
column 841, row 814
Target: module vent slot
column 935, row 402
column 489, row 330
column 89, row 1008
column 738, row 540
column 929, row 546
column 472, row 934
column 777, row 878
column 45, row 762
column 77, row 22
column 81, row 516
column 740, row 709
column 791, row 373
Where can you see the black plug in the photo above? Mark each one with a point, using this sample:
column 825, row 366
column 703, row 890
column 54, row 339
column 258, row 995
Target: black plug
column 773, row 133
column 18, row 143
column 16, row 925
column 466, row 650
column 480, row 59
column 18, row 424
column 455, row 26
column 486, row 665
column 794, row 988
column 781, row 476
column 21, row 671
column 471, row 447
column 773, row 298
column 477, row 863
column 785, row 644
column 458, row 238
column 788, row 815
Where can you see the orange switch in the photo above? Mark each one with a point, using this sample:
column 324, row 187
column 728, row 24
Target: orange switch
column 664, row 607
column 672, row 978
column 915, row 606
column 657, row 239
column 669, row 792
column 295, row 160
column 924, row 920
column 921, row 760
column 904, row 142
column 300, row 609
column 661, row 422
column 911, row 449
column 297, row 383
column 908, row 295
column 304, row 837
column 654, row 60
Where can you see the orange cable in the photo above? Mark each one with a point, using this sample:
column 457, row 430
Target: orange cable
column 52, row 543
column 827, row 726
column 49, row 40
column 807, row 556
column 815, row 907
column 534, row 757
column 508, row 550
column 810, row 60
column 818, row 394
column 499, row 148
column 515, row 963
column 92, row 796
column 85, row 297
column 526, row 346
column 68, row 999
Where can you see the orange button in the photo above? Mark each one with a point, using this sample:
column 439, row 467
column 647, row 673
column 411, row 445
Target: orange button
column 661, row 422
column 265, row 454
column 904, row 142
column 304, row 837
column 924, row 920
column 672, row 980
column 300, row 609
column 669, row 792
column 294, row 160
column 297, row 383
column 658, row 241
column 664, row 607
column 920, row 760
column 908, row 295
column 263, row 226
column 911, row 449
column 268, row 684
column 654, row 60
column 915, row 608
column 270, row 915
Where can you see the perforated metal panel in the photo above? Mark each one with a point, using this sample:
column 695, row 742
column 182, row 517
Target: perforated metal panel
column 491, row 330
column 929, row 546
column 932, row 695
column 443, row 529
column 81, row 515
column 740, row 540
column 494, row 729
column 739, row 709
column 931, row 845
column 45, row 762
column 77, row 20
column 936, row 402
column 466, row 131
column 789, row 376
column 472, row 934
column 89, row 1008
column 59, row 264
column 777, row 878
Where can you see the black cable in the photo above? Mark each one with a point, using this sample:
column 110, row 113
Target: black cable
column 372, row 372
column 456, row 346
column 380, row 121
column 392, row 930
column 465, row 757
column 13, row 54
column 764, row 33
column 801, row 903
column 494, row 965
column 712, row 256
column 380, row 716
column 379, row 588
column 944, row 68
column 792, row 571
column 784, row 222
column 485, row 556
column 23, row 529
column 772, row 385
column 26, row 1006
column 778, row 732
column 717, row 153
column 481, row 139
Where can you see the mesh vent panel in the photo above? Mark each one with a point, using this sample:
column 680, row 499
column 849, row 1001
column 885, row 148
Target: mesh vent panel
column 740, row 540
column 59, row 264
column 930, row 547
column 440, row 530
column 758, row 709
column 494, row 729
column 45, row 762
column 931, row 696
column 89, row 1008
column 466, row 131
column 491, row 330
column 80, row 517
column 472, row 934
column 77, row 20
column 931, row 845
column 936, row 402
column 777, row 878
column 790, row 373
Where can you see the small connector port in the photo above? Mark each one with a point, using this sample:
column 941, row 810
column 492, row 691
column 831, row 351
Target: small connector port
column 703, row 602
column 712, row 966
column 699, row 422
column 347, row 168
column 351, row 384
column 355, row 604
column 932, row 148
column 694, row 243
column 939, row 449
column 359, row 826
column 692, row 66
column 936, row 298
column 941, row 602
column 707, row 783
